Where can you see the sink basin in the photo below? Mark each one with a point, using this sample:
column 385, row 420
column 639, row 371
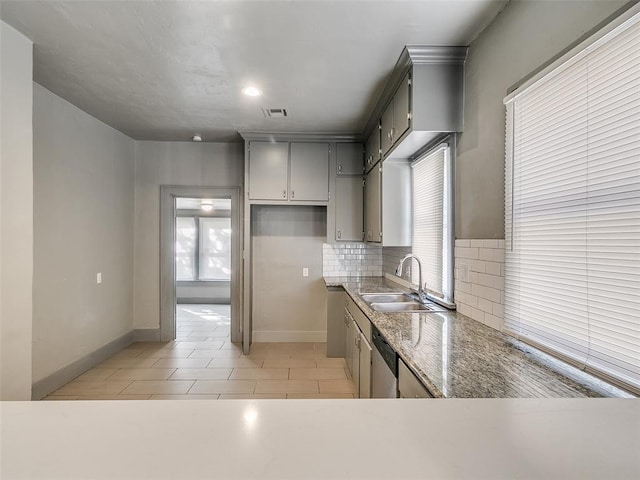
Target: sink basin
column 391, row 297
column 398, row 307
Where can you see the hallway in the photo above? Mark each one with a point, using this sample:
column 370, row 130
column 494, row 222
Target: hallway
column 203, row 364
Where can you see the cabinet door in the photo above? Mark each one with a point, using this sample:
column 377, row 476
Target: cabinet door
column 309, row 172
column 349, row 209
column 372, row 153
column 401, row 109
column 408, row 385
column 349, row 343
column 355, row 361
column 365, row 368
column 386, row 134
column 268, row 168
column 336, row 329
column 373, row 206
column 349, row 159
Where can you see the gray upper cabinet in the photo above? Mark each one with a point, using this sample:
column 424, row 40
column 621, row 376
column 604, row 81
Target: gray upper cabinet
column 309, row 172
column 402, row 108
column 422, row 100
column 268, row 171
column 396, row 119
column 349, row 209
column 349, row 159
column 288, row 172
column 373, row 205
column 372, row 151
column 386, row 136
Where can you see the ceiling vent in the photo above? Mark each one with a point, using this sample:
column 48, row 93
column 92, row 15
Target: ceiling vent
column 274, row 112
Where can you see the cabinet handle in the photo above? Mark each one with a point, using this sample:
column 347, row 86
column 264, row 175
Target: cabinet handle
column 340, row 168
column 293, row 194
column 284, row 194
column 339, row 234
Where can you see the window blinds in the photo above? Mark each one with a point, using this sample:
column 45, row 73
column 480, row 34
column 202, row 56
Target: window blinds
column 572, row 209
column 429, row 240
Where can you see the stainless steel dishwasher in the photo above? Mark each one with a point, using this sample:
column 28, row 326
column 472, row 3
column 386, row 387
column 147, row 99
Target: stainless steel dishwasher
column 384, row 368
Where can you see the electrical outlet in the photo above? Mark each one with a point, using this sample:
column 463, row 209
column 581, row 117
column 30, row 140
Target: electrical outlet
column 464, row 271
column 99, row 278
column 305, row 272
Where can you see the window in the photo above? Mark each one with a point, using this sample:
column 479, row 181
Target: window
column 203, row 248
column 572, row 209
column 215, row 248
column 186, row 236
column 432, row 233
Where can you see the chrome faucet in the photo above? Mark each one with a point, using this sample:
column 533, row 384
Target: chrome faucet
column 421, row 292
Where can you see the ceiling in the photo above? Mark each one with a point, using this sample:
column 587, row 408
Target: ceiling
column 165, row 70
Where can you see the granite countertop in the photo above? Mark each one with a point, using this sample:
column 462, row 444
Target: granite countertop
column 457, row 357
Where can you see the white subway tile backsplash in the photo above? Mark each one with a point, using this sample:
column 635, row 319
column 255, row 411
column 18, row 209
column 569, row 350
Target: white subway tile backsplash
column 492, row 268
column 352, row 259
column 482, row 296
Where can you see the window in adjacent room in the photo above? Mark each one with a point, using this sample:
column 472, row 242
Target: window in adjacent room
column 203, row 241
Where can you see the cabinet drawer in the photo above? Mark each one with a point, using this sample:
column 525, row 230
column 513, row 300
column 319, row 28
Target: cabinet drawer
column 408, row 385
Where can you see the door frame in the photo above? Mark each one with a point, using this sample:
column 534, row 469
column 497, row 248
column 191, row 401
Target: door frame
column 168, row 195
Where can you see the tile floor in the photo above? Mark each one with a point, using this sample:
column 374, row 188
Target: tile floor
column 203, row 364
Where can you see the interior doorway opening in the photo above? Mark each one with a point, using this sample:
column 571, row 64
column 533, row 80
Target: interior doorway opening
column 200, row 280
column 203, row 269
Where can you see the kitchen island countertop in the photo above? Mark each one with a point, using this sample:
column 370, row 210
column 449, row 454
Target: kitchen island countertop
column 457, row 357
column 321, row 439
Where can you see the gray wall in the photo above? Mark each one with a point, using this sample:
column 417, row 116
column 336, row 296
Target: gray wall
column 285, row 239
column 83, row 224
column 171, row 163
column 523, row 37
column 16, row 214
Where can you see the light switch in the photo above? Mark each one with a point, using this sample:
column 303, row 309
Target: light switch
column 99, row 278
column 305, row 272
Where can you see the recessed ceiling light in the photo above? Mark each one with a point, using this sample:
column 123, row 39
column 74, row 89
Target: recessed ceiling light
column 196, row 138
column 252, row 91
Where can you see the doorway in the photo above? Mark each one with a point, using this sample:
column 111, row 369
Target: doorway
column 200, row 263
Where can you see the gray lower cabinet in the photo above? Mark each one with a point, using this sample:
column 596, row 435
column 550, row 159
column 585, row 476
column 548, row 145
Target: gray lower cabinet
column 268, row 170
column 336, row 328
column 358, row 348
column 408, row 385
column 309, row 172
column 349, row 341
column 373, row 205
column 349, row 209
column 349, row 159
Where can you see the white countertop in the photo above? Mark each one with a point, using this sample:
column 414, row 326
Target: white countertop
column 322, row 439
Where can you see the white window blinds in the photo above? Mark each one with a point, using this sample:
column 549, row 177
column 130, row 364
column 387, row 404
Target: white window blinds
column 572, row 209
column 430, row 214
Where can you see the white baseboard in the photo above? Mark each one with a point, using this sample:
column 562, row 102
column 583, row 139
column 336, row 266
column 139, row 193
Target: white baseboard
column 289, row 336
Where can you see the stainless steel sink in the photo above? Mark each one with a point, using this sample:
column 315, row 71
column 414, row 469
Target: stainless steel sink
column 399, row 307
column 398, row 302
column 391, row 297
